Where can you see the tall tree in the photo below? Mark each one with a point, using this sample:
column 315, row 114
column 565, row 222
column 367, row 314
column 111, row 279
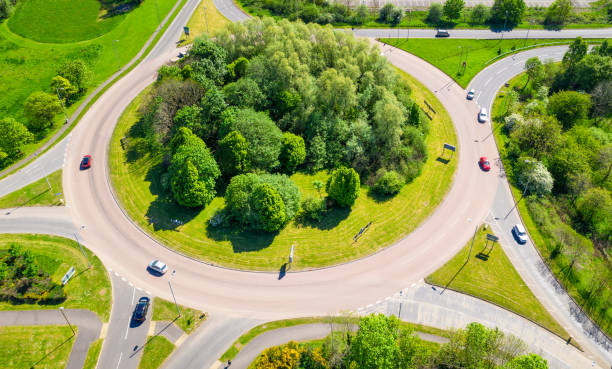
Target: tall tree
column 13, row 135
column 374, row 345
column 507, row 12
column 193, row 174
column 534, row 70
column 576, row 52
column 270, row 207
column 233, row 154
column 569, row 107
column 343, row 186
column 40, row 108
column 452, row 9
column 558, row 12
column 293, row 152
column 75, row 71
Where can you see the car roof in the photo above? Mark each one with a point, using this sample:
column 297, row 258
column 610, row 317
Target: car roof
column 520, row 227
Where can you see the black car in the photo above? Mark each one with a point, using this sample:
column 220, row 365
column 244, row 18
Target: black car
column 140, row 312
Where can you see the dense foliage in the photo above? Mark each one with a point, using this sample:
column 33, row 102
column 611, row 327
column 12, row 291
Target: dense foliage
column 343, row 186
column 22, row 280
column 558, row 151
column 383, row 342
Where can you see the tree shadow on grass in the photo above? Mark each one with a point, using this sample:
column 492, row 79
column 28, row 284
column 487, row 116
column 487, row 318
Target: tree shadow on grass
column 241, row 240
column 164, row 213
column 329, row 221
column 378, row 197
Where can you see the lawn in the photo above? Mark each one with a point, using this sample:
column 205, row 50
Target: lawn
column 326, row 243
column 47, row 346
column 166, row 310
column 88, row 289
column 247, row 337
column 205, row 20
column 578, row 286
column 92, row 354
column 157, row 349
column 489, row 275
column 448, row 54
column 51, row 25
column 36, row 194
column 28, row 66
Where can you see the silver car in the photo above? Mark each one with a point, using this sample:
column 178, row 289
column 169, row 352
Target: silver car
column 483, row 115
column 470, row 94
column 519, row 233
column 158, row 267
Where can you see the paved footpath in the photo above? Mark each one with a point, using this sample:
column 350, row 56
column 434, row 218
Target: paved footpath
column 88, row 322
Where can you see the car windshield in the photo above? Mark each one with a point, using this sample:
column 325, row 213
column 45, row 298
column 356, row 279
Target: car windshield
column 85, row 160
column 486, row 162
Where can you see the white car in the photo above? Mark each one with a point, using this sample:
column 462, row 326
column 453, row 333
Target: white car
column 470, row 94
column 519, row 233
column 482, row 115
column 158, row 267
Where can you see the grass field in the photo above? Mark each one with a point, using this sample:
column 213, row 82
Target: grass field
column 205, row 20
column 88, row 289
column 326, row 243
column 28, row 65
column 489, row 275
column 256, row 331
column 59, row 21
column 23, row 346
column 157, row 349
column 92, row 354
column 36, row 194
column 448, row 54
column 166, row 310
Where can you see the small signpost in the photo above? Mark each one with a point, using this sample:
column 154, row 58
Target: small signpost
column 67, row 276
column 450, row 148
column 356, row 237
column 291, row 255
column 186, row 29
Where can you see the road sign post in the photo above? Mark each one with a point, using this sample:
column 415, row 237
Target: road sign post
column 291, row 255
column 67, row 276
column 186, row 30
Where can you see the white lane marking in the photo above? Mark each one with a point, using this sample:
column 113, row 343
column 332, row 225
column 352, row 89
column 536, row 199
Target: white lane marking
column 131, row 284
column 119, row 362
column 133, row 294
column 488, row 80
column 501, row 71
column 123, row 279
column 149, row 293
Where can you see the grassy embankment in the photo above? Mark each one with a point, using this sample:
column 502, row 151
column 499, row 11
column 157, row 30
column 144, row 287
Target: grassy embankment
column 47, row 346
column 36, row 193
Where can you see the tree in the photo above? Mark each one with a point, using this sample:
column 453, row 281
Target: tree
column 336, row 93
column 75, row 71
column 63, row 87
column 576, row 52
column 385, row 13
column 40, row 108
column 538, row 137
column 374, row 345
column 243, row 93
column 592, row 70
column 434, row 15
column 293, row 152
column 569, row 107
column 603, row 161
column 605, row 49
column 183, row 138
column 534, row 70
column 557, row 12
column 285, row 356
column 601, row 97
column 507, row 12
column 534, row 177
column 452, row 9
column 189, row 116
column 343, row 186
column 213, row 105
column 208, row 60
column 233, row 154
column 594, row 208
column 270, row 207
column 390, row 183
column 237, row 68
column 396, row 16
column 530, row 361
column 193, row 174
column 13, row 135
column 388, row 119
column 479, row 13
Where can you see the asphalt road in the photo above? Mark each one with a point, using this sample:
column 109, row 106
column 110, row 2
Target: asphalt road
column 484, row 34
column 422, row 4
column 88, row 323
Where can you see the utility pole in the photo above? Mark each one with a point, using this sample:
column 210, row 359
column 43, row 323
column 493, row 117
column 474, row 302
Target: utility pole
column 64, row 315
column 83, row 251
column 173, row 297
column 62, row 102
column 460, row 59
column 527, row 36
column 116, row 55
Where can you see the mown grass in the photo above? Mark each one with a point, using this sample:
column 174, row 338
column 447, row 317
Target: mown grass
column 28, row 66
column 205, row 20
column 448, row 54
column 166, row 310
column 61, row 21
column 157, row 349
column 36, row 193
column 577, row 284
column 247, row 337
column 326, row 243
column 88, row 289
column 93, row 353
column 47, row 346
column 489, row 275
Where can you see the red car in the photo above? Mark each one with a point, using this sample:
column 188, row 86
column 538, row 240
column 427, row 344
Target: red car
column 484, row 164
column 86, row 162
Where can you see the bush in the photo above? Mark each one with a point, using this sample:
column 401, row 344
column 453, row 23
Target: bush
column 293, row 152
column 434, row 16
column 270, row 207
column 390, row 183
column 313, row 208
column 507, row 12
column 233, row 154
column 40, row 108
column 343, row 186
column 193, row 174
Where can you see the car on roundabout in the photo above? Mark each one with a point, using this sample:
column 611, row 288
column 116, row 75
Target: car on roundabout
column 484, row 164
column 519, row 233
column 141, row 309
column 158, row 267
column 470, row 94
column 483, row 115
column 86, row 162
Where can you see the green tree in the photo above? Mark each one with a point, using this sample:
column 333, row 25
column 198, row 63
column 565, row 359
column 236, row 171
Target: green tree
column 375, row 344
column 594, row 208
column 533, row 176
column 40, row 108
column 237, row 68
column 208, row 60
column 569, row 107
column 507, row 12
column 538, row 137
column 189, row 116
column 558, row 12
column 385, row 13
column 576, row 52
column 388, row 119
column 591, row 70
column 184, row 137
column 601, row 97
column 343, row 186
column 213, row 105
column 63, row 87
column 535, row 71
column 270, row 207
column 336, row 93
column 434, row 15
column 452, row 9
column 293, row 152
column 530, row 361
column 233, row 154
column 193, row 174
column 243, row 93
column 75, row 71
column 479, row 14
column 390, row 183
column 13, row 135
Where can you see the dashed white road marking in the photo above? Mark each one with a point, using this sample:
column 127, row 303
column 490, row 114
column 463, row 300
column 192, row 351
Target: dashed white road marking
column 119, row 362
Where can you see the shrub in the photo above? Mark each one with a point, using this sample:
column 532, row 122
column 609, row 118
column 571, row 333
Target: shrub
column 313, row 208
column 233, row 154
column 390, row 183
column 343, row 186
column 40, row 108
column 193, row 174
column 270, row 207
column 293, row 152
column 434, row 16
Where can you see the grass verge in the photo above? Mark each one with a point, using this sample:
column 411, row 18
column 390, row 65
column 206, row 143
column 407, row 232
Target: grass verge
column 157, row 349
column 88, row 289
column 37, row 193
column 91, row 361
column 322, row 244
column 489, row 275
column 205, row 20
column 448, row 54
column 47, row 346
column 166, row 310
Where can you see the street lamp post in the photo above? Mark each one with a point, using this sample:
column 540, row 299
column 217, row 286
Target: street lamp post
column 527, row 36
column 172, row 291
column 62, row 102
column 460, row 59
column 522, row 194
column 116, row 55
column 83, row 251
column 65, row 317
column 505, row 21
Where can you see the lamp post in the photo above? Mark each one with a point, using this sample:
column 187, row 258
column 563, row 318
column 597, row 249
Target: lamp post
column 116, row 55
column 505, row 21
column 62, row 102
column 527, row 36
column 522, row 194
column 172, row 291
column 409, row 20
column 65, row 317
column 460, row 59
